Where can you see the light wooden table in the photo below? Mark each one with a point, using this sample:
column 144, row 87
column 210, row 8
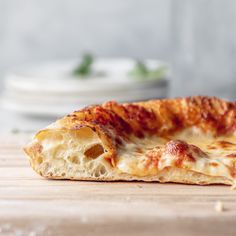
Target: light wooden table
column 31, row 205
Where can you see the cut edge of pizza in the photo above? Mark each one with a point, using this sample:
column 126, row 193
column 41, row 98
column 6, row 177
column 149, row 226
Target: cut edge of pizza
column 185, row 140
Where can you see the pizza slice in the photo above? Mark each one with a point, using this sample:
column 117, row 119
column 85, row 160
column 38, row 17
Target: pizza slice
column 185, row 140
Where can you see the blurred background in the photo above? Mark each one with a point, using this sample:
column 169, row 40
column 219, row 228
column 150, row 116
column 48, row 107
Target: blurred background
column 196, row 39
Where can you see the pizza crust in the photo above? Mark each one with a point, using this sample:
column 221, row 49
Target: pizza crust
column 146, row 141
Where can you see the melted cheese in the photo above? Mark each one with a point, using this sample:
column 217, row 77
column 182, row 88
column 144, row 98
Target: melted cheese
column 213, row 158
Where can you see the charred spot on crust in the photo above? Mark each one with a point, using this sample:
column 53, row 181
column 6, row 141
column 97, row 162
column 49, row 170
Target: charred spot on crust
column 118, row 141
column 145, row 118
column 178, row 123
column 208, row 117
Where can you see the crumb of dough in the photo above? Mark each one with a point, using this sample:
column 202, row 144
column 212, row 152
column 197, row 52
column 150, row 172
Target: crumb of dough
column 219, row 207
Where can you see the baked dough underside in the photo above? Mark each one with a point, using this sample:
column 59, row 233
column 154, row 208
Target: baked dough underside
column 192, row 154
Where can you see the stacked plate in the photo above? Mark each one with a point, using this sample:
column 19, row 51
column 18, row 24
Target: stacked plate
column 51, row 89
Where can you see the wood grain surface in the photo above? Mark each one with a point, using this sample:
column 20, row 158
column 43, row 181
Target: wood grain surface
column 31, row 205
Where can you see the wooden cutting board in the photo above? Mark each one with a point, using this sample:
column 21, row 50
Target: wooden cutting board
column 31, row 205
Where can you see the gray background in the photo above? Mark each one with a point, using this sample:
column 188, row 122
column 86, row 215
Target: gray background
column 198, row 37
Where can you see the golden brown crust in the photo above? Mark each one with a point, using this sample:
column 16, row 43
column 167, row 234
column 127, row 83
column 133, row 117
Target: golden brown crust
column 208, row 113
column 162, row 117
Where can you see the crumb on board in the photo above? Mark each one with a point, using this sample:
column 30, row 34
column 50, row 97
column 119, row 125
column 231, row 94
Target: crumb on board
column 84, row 219
column 219, row 207
column 127, row 198
column 139, row 186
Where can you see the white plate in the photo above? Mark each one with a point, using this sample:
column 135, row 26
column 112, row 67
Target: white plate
column 51, row 89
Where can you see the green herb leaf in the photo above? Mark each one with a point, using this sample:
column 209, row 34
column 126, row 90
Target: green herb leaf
column 15, row 131
column 85, row 67
column 142, row 72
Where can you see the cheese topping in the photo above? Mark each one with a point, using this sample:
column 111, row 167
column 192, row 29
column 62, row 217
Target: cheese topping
column 190, row 149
